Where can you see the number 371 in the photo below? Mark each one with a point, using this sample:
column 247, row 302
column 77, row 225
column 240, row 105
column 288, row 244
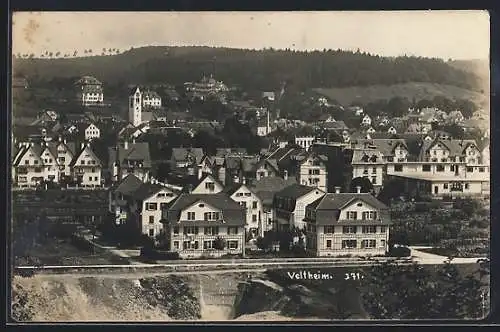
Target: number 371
column 353, row 276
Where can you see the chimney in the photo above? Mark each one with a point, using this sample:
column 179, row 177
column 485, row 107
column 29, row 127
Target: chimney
column 125, row 145
column 133, row 140
column 358, row 189
column 244, row 181
column 337, row 190
column 285, row 175
column 59, row 139
column 65, row 141
column 83, row 145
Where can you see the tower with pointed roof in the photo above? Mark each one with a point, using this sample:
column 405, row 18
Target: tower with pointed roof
column 135, row 107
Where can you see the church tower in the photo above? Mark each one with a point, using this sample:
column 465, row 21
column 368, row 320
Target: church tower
column 135, row 107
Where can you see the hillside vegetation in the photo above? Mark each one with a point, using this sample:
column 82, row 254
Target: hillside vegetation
column 249, row 69
column 413, row 90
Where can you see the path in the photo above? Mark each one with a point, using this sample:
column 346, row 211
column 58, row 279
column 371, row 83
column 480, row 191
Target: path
column 422, row 257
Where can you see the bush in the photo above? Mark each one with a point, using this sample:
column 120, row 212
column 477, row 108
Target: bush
column 399, row 252
column 153, row 254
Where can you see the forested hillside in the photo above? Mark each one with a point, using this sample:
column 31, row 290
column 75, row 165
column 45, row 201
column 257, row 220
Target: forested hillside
column 248, row 69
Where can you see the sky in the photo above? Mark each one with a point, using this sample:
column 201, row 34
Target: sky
column 441, row 34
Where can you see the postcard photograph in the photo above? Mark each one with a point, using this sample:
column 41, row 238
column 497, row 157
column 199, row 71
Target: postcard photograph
column 250, row 166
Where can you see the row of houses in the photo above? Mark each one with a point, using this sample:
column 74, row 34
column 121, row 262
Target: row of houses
column 331, row 224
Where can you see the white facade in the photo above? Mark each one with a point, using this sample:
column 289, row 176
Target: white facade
column 358, row 231
column 151, row 101
column 254, row 210
column 392, row 131
column 152, row 211
column 87, row 168
column 208, row 186
column 135, row 108
column 305, row 141
column 312, row 173
column 367, row 121
column 91, row 132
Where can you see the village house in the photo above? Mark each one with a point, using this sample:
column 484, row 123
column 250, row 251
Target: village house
column 254, row 214
column 312, row 170
column 208, row 185
column 88, row 131
column 27, row 166
column 89, row 91
column 290, row 204
column 371, row 130
column 146, row 204
column 368, row 163
column 347, row 224
column 205, row 226
column 392, row 130
column 265, row 188
column 130, row 158
column 118, row 193
column 265, row 168
column 86, row 167
column 366, row 121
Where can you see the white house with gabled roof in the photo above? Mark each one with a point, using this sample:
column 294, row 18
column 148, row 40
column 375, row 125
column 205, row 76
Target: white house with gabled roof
column 87, row 167
column 208, row 185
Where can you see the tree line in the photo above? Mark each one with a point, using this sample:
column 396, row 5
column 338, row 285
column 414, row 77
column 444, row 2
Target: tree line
column 255, row 69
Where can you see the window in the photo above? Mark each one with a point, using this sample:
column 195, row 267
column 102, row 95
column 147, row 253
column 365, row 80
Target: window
column 151, row 219
column 210, row 186
column 90, row 178
column 352, row 215
column 349, row 229
column 248, row 194
column 365, row 170
column 26, row 162
column 82, row 162
column 211, row 216
column 328, row 244
column 232, row 230
column 254, row 218
column 481, row 169
column 208, row 244
column 95, row 178
column 211, row 230
column 374, row 180
column 368, row 244
column 382, row 243
column 466, row 186
column 330, row 229
column 191, row 230
column 243, row 204
column 374, row 170
column 190, row 245
column 369, row 229
column 176, row 244
column 426, row 168
column 232, row 244
column 383, row 229
column 398, row 168
column 349, row 244
column 390, row 159
column 151, row 232
column 445, row 186
column 176, row 230
column 439, row 168
column 191, row 216
column 254, row 204
column 151, row 206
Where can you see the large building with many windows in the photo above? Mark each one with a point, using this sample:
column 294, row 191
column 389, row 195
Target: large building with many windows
column 347, row 224
column 201, row 225
column 89, row 91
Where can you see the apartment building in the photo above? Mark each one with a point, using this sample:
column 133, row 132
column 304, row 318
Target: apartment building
column 89, row 91
column 312, row 170
column 304, row 142
column 200, row 225
column 445, row 168
column 347, row 224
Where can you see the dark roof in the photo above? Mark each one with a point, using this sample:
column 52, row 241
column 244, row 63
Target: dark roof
column 272, row 184
column 181, row 154
column 135, row 151
column 233, row 213
column 145, row 190
column 128, row 185
column 231, row 189
column 295, row 191
column 222, row 152
column 328, row 208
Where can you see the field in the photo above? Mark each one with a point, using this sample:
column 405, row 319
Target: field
column 419, row 91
